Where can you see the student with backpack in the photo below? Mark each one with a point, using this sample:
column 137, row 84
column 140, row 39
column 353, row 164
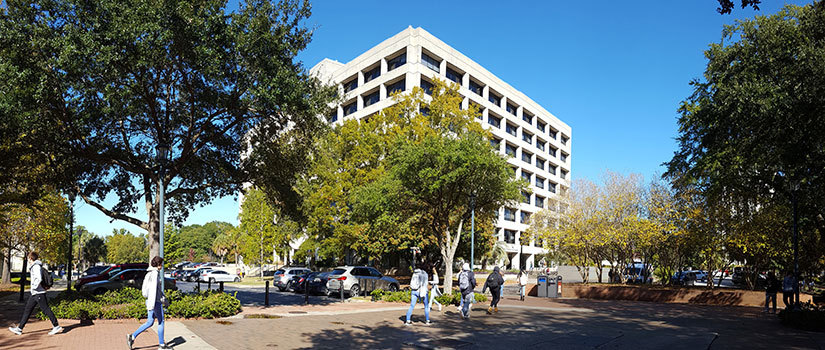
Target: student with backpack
column 467, row 285
column 41, row 281
column 494, row 282
column 434, row 292
column 418, row 290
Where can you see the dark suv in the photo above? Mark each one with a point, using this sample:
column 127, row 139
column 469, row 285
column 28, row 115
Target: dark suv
column 109, row 272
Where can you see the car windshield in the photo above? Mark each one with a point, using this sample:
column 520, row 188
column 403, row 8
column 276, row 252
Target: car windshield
column 338, row 272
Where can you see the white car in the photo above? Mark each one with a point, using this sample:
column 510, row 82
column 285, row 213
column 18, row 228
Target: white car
column 219, row 276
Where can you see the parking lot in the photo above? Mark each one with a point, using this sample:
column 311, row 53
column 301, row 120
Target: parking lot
column 255, row 295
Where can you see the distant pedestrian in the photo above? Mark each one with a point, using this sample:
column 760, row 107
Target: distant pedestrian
column 434, row 292
column 494, row 282
column 467, row 285
column 788, row 290
column 522, row 284
column 152, row 290
column 418, row 290
column 501, row 290
column 771, row 288
column 38, row 295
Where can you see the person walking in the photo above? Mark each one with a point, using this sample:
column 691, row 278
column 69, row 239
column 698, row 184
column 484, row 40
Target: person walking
column 771, row 288
column 467, row 285
column 434, row 292
column 38, row 296
column 494, row 282
column 152, row 290
column 418, row 290
column 522, row 283
column 787, row 290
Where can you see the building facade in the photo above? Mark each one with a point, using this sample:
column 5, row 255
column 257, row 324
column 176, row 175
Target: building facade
column 536, row 143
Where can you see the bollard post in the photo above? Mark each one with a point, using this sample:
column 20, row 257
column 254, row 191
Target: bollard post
column 221, row 287
column 209, row 285
column 341, row 289
column 266, row 295
column 306, row 291
column 199, row 286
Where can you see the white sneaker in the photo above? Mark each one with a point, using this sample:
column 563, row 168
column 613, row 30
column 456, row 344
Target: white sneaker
column 56, row 330
column 16, row 330
column 408, row 323
column 439, row 307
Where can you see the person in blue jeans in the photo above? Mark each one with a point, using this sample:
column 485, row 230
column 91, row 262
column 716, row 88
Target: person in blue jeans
column 466, row 284
column 152, row 290
column 419, row 290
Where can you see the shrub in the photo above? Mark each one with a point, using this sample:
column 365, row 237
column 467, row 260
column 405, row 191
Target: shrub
column 808, row 317
column 129, row 303
column 404, row 297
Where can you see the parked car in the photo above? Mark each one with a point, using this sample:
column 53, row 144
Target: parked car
column 689, row 277
column 218, row 276
column 284, row 275
column 95, row 270
column 638, row 273
column 355, row 279
column 109, row 272
column 126, row 278
column 180, row 265
column 194, row 275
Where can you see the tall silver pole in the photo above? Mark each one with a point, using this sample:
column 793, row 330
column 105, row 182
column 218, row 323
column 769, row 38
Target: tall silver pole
column 161, row 221
column 472, row 232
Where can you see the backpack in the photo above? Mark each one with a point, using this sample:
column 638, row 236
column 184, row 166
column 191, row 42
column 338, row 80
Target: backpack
column 463, row 280
column 492, row 280
column 46, row 280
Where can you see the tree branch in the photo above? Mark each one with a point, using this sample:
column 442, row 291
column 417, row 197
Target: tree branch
column 113, row 214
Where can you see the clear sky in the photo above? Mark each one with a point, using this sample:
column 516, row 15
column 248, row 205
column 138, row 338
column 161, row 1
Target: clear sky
column 615, row 71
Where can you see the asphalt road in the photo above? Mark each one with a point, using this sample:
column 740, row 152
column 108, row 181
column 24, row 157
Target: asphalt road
column 255, row 296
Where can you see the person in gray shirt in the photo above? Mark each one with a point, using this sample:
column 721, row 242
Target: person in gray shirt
column 37, row 298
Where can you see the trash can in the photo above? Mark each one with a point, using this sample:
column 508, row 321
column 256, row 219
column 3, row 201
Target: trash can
column 558, row 289
column 552, row 290
column 541, row 286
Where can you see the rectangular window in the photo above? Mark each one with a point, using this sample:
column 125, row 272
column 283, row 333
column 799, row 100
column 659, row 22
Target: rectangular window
column 526, row 136
column 563, row 157
column 493, row 120
column 371, row 98
column 397, row 61
column 495, row 99
column 527, row 117
column 427, row 87
column 527, row 157
column 541, row 125
column 552, row 134
column 539, row 163
column 564, row 140
column 430, row 62
column 525, row 197
column 510, row 235
column 512, row 129
column 333, row 117
column 515, row 170
column 351, row 85
column 540, row 201
column 477, row 88
column 551, row 169
column 539, row 182
column 525, row 217
column 564, row 174
column 540, row 144
column 372, row 73
column 511, row 108
column 510, row 150
column 526, row 176
column 396, row 87
column 454, row 76
column 494, row 142
column 552, row 151
column 551, row 186
column 350, row 108
column 509, row 214
column 424, row 111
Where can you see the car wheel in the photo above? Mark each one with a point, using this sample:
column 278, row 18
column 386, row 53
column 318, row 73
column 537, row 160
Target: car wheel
column 354, row 290
column 393, row 288
column 281, row 288
column 211, row 280
column 237, row 279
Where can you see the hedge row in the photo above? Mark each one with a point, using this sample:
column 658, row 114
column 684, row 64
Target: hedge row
column 129, row 303
column 808, row 317
column 453, row 298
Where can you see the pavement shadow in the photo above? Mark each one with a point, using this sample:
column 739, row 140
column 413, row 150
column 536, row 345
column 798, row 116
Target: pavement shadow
column 177, row 341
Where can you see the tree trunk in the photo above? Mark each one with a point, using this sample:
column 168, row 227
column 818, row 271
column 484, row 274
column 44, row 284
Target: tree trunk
column 7, row 268
column 261, row 263
column 23, row 275
column 448, row 248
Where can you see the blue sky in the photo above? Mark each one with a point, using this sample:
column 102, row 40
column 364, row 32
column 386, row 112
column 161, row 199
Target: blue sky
column 615, row 71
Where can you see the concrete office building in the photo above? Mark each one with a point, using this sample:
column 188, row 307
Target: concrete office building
column 536, row 142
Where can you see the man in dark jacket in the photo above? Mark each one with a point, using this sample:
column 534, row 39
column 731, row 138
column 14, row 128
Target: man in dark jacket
column 494, row 282
column 771, row 288
column 467, row 285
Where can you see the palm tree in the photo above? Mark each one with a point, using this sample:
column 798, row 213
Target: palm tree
column 498, row 253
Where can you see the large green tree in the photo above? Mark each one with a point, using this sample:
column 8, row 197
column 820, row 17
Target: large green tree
column 263, row 229
column 751, row 132
column 107, row 81
column 124, row 247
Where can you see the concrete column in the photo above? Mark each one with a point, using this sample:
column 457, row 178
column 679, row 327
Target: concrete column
column 442, row 68
column 485, row 92
column 465, row 103
column 465, row 80
column 383, row 66
column 360, row 103
column 382, row 92
column 519, row 112
column 413, row 79
column 414, row 54
column 360, row 78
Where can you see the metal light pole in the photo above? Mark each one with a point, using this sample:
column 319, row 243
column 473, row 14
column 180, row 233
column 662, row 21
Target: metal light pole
column 71, row 235
column 472, row 231
column 163, row 157
column 795, row 249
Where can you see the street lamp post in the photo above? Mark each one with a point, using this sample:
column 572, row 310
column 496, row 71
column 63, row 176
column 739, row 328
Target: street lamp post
column 71, row 235
column 472, row 231
column 795, row 249
column 163, row 157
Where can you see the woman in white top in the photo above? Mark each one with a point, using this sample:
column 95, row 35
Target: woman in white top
column 434, row 292
column 522, row 283
column 153, row 293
